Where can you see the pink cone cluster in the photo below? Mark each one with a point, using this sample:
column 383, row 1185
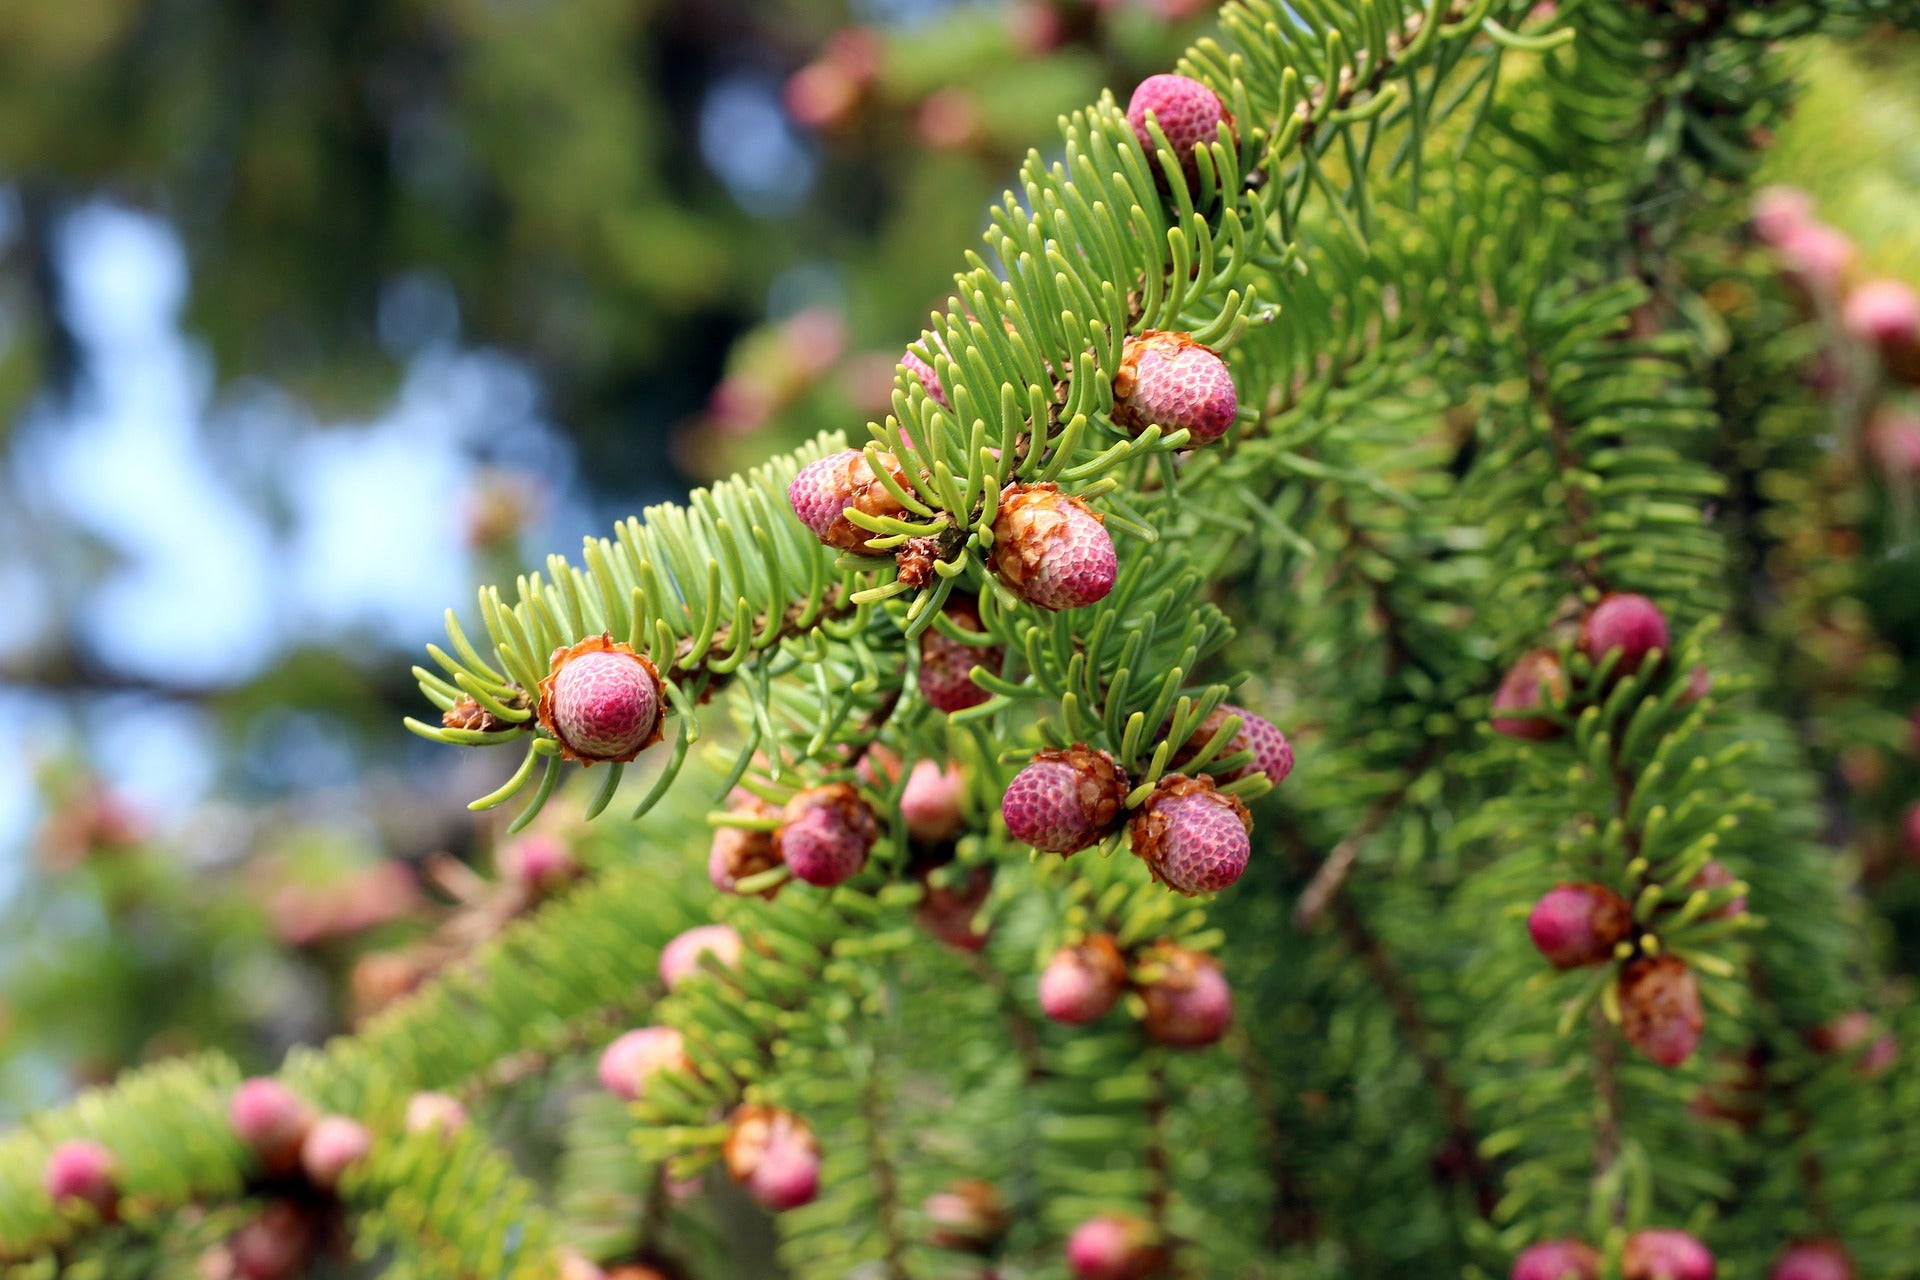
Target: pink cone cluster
column 1194, row 837
column 1620, row 634
column 1186, row 999
column 1654, row 1254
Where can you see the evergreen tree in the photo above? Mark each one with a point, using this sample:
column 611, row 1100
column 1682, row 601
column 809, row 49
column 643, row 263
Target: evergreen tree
column 1412, row 391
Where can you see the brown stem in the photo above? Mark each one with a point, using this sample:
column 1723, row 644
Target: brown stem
column 1421, row 1039
column 1332, row 873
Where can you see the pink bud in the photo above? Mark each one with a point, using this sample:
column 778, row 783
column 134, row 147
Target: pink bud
column 1883, row 312
column 1557, row 1260
column 827, row 488
column 1189, row 115
column 1848, row 1033
column 1663, row 1254
column 1579, row 924
column 1195, row 838
column 636, row 1057
column 79, row 1172
column 774, row 1155
column 574, row 1266
column 946, row 664
column 1065, row 801
column 1114, row 1248
column 1189, row 1004
column 1631, row 624
column 1817, row 255
column 1170, row 381
column 277, row 1245
column 1910, row 831
column 929, row 379
column 948, row 910
column 740, row 852
column 969, row 1216
column 827, row 834
column 1081, row 983
column 930, row 805
column 680, row 959
column 1660, row 1008
column 1715, row 876
column 435, row 1113
column 1272, row 753
column 601, row 701
column 1893, row 439
column 1813, row 1260
column 1050, row 549
column 269, row 1119
column 539, row 865
column 1780, row 211
column 333, row 1145
column 1534, row 675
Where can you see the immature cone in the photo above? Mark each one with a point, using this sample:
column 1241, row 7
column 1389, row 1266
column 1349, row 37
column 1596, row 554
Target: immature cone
column 827, row 488
column 948, row 911
column 1660, row 1008
column 1817, row 256
column 333, row 1145
column 1065, row 801
column 1272, row 753
column 1813, row 1260
column 680, row 959
column 574, row 1266
column 827, row 835
column 82, row 1173
column 1885, row 313
column 1170, row 381
column 636, row 1057
column 738, row 852
column 1189, row 1005
column 268, row 1118
column 1520, row 691
column 1779, row 211
column 1556, row 1260
column 540, row 864
column 1579, row 924
column 1629, row 623
column 1081, row 983
column 601, row 701
column 1189, row 115
column 968, row 1216
column 1193, row 837
column 435, row 1113
column 929, row 379
column 1050, row 549
column 1910, row 831
column 930, row 805
column 1847, row 1034
column 774, row 1156
column 276, row 1245
column 1664, row 1254
column 1715, row 876
column 1114, row 1248
column 946, row 663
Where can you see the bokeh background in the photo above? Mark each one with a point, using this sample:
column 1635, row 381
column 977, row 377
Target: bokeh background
column 313, row 317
